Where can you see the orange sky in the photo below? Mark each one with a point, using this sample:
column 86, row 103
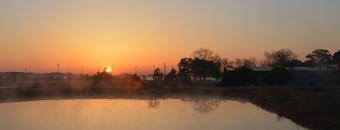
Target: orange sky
column 38, row 34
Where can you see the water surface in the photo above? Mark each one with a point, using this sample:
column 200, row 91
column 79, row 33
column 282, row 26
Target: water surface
column 135, row 114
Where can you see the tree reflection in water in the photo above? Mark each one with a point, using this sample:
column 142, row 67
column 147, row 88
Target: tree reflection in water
column 203, row 104
column 154, row 103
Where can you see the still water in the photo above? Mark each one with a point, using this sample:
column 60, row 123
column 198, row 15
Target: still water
column 138, row 114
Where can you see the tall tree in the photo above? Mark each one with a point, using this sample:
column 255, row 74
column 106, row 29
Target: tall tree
column 199, row 68
column 320, row 57
column 184, row 67
column 202, row 69
column 336, row 57
column 214, row 69
column 279, row 58
column 205, row 64
column 157, row 74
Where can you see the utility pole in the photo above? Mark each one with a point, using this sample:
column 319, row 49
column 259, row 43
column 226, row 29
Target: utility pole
column 58, row 68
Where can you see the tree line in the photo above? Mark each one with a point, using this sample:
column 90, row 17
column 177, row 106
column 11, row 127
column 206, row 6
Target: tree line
column 205, row 63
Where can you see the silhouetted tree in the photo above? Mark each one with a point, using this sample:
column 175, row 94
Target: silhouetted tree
column 206, row 54
column 241, row 76
column 336, row 57
column 279, row 58
column 171, row 77
column 294, row 63
column 320, row 57
column 278, row 76
column 201, row 69
column 184, row 67
column 309, row 63
column 157, row 74
column 102, row 77
column 206, row 63
column 246, row 62
column 214, row 69
column 226, row 64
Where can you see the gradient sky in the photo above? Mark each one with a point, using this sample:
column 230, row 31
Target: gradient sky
column 38, row 34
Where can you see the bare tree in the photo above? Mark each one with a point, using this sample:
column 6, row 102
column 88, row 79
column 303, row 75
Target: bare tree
column 226, row 64
column 279, row 57
column 206, row 54
column 246, row 62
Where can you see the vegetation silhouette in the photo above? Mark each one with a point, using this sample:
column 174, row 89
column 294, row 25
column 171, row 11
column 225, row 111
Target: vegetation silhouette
column 280, row 58
column 336, row 57
column 184, row 69
column 278, row 76
column 241, row 76
column 320, row 57
column 171, row 78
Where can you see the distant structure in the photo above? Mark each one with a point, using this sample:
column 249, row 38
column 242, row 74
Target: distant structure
column 58, row 68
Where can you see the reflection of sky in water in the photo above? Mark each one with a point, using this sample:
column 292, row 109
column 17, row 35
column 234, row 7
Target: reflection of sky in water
column 172, row 114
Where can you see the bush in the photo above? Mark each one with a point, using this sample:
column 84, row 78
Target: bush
column 241, row 76
column 278, row 76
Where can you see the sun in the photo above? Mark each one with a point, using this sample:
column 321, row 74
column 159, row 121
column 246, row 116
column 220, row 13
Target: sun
column 108, row 69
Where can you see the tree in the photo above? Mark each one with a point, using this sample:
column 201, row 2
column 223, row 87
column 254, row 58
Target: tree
column 309, row 63
column 157, row 74
column 295, row 63
column 320, row 57
column 102, row 77
column 278, row 76
column 279, row 58
column 336, row 57
column 184, row 67
column 214, row 69
column 206, row 63
column 247, row 62
column 171, row 77
column 226, row 64
column 201, row 69
column 206, row 54
column 241, row 76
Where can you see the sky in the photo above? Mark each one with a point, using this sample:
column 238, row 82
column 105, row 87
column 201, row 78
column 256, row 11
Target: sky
column 36, row 35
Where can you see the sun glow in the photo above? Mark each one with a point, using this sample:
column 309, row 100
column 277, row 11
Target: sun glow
column 108, row 70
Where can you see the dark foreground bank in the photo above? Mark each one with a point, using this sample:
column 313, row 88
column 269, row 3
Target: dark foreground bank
column 317, row 108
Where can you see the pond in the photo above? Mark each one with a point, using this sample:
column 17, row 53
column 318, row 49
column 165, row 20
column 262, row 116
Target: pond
column 140, row 114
